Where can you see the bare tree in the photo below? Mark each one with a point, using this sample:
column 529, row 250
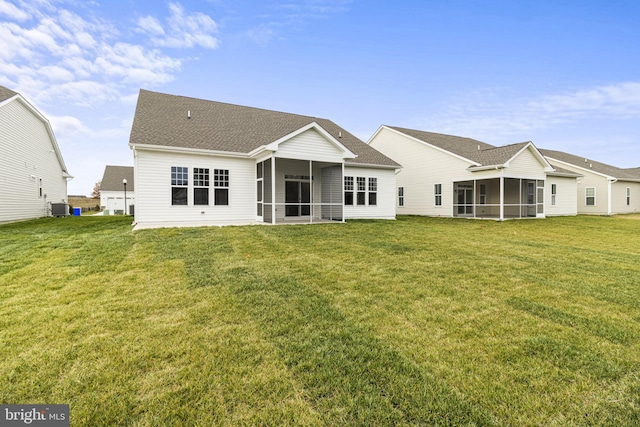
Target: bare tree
column 96, row 190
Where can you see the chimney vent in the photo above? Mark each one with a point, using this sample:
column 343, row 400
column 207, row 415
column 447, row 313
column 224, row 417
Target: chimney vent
column 188, row 114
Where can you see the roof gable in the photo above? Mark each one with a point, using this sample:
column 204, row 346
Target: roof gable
column 180, row 122
column 7, row 96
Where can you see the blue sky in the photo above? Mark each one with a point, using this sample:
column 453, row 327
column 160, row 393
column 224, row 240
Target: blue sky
column 563, row 74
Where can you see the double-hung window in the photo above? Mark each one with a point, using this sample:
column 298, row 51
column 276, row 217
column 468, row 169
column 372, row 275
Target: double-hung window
column 400, row 196
column 221, row 187
column 200, row 186
column 590, row 196
column 348, row 190
column 554, row 192
column 628, row 196
column 373, row 191
column 437, row 191
column 362, row 190
column 179, row 185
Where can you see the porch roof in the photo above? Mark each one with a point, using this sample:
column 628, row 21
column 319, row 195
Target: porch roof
column 183, row 122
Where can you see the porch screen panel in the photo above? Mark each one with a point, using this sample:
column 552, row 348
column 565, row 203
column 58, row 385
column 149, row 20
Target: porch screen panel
column 266, row 194
column 331, row 195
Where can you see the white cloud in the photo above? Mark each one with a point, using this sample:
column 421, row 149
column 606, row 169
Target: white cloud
column 494, row 114
column 151, row 25
column 183, row 30
column 11, row 11
column 85, row 60
column 67, row 126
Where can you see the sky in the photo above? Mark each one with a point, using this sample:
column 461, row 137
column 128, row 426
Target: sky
column 564, row 74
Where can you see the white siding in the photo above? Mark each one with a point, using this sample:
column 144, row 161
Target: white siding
column 385, row 207
column 422, row 167
column 27, row 156
column 566, row 196
column 619, row 197
column 310, row 145
column 589, row 179
column 526, row 166
column 153, row 191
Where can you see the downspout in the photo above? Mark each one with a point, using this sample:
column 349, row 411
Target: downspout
column 609, row 196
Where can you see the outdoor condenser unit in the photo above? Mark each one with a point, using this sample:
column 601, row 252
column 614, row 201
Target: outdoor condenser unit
column 59, row 209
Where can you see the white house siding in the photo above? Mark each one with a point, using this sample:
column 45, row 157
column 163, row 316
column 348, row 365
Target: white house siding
column 309, row 145
column 28, row 155
column 566, row 196
column 589, row 179
column 619, row 197
column 423, row 166
column 526, row 166
column 114, row 200
column 385, row 207
column 153, row 190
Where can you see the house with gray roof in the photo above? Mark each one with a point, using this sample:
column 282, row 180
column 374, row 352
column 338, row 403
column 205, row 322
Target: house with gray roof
column 452, row 176
column 33, row 175
column 603, row 189
column 200, row 162
column 112, row 190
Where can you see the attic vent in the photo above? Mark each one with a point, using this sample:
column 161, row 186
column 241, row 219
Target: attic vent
column 339, row 134
column 590, row 165
column 478, row 147
column 585, row 160
column 188, row 114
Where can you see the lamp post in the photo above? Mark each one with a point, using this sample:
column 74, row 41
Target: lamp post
column 124, row 181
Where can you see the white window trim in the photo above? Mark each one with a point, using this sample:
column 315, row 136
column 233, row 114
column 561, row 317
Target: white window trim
column 595, row 199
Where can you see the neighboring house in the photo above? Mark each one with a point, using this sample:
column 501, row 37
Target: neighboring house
column 32, row 172
column 603, row 189
column 201, row 162
column 112, row 190
column 451, row 176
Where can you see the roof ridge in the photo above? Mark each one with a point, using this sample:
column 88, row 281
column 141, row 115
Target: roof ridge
column 234, row 105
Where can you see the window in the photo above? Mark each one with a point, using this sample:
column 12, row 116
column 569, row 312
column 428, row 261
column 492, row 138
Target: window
column 200, row 186
column 400, row 196
column 483, row 194
column 221, row 187
column 628, row 196
column 373, row 191
column 362, row 190
column 553, row 194
column 40, row 187
column 437, row 191
column 179, row 184
column 348, row 190
column 590, row 196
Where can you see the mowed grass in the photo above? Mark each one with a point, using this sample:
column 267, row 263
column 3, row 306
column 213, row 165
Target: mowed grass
column 419, row 321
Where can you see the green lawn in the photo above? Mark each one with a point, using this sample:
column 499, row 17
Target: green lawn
column 419, row 321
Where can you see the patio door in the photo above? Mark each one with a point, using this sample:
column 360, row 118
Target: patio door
column 465, row 201
column 297, row 198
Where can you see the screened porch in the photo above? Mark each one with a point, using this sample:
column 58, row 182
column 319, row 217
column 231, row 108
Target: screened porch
column 499, row 198
column 299, row 191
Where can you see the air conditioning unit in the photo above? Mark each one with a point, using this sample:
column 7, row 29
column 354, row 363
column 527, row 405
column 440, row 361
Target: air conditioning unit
column 59, row 209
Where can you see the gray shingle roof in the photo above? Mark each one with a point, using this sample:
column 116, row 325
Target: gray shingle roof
column 161, row 120
column 113, row 176
column 472, row 149
column 6, row 93
column 635, row 171
column 603, row 168
column 464, row 147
